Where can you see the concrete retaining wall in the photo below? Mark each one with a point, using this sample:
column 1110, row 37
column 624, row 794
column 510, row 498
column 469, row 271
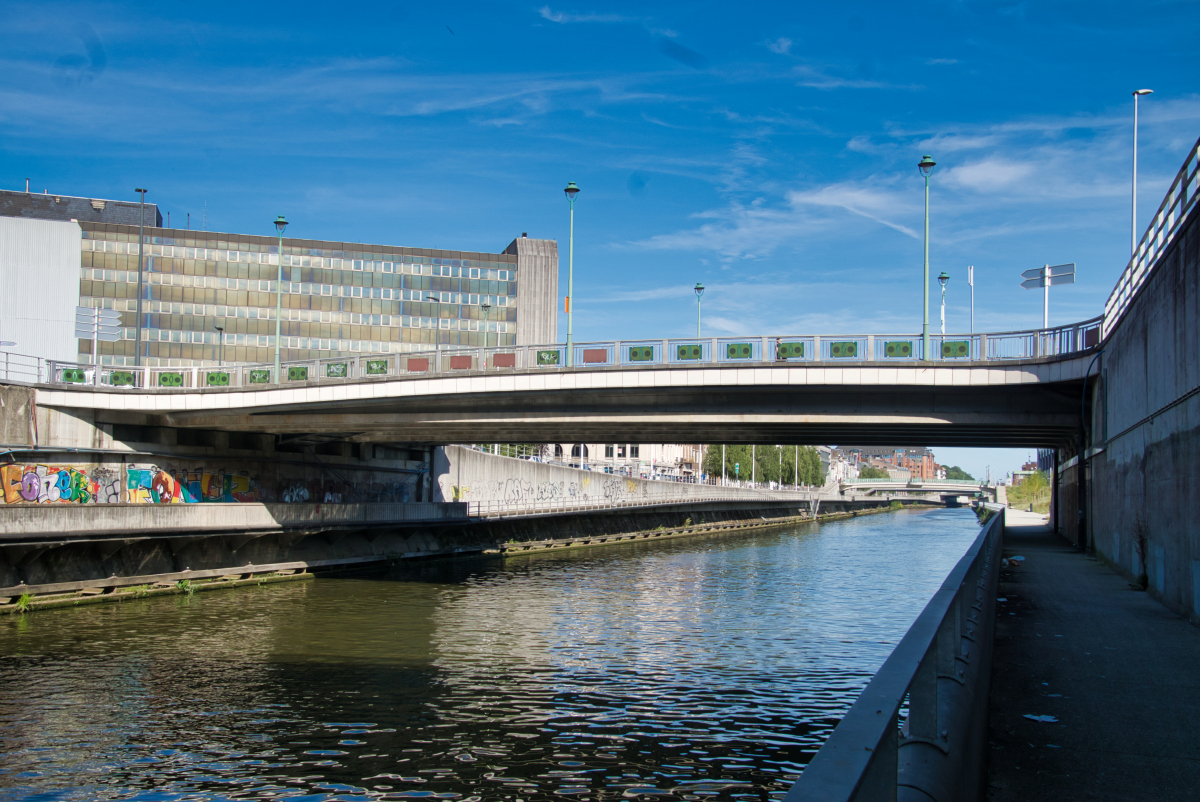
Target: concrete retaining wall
column 464, row 474
column 1146, row 419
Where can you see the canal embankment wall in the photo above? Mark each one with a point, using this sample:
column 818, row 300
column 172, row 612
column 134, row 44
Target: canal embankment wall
column 1142, row 440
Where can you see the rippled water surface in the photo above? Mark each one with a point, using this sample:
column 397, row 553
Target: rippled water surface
column 709, row 668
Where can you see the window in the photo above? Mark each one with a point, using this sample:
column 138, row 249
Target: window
column 633, row 452
column 575, row 451
column 620, row 452
column 608, row 452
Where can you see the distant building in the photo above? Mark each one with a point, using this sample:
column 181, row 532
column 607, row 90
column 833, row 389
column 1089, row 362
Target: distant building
column 911, row 463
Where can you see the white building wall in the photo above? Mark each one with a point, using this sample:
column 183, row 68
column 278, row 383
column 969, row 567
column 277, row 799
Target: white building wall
column 39, row 286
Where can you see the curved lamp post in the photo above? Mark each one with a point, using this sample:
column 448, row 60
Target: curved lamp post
column 571, row 191
column 437, row 324
column 487, row 308
column 699, row 294
column 942, row 279
column 1133, row 236
column 280, row 225
column 926, row 166
column 137, row 353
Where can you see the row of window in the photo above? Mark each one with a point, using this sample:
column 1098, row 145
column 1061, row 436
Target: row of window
column 290, row 287
column 450, row 268
column 178, row 336
column 267, row 313
column 620, row 450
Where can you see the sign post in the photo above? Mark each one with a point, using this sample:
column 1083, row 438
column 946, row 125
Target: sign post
column 1044, row 277
column 97, row 325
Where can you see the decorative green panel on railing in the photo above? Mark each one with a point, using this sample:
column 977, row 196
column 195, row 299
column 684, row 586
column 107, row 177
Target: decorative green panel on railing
column 547, row 357
column 739, row 351
column 376, row 367
column 789, row 351
column 843, row 350
column 121, row 378
column 956, row 349
column 899, row 349
column 337, row 370
column 641, row 353
column 74, row 375
column 260, row 377
column 689, row 352
column 170, row 380
column 217, row 379
column 297, row 374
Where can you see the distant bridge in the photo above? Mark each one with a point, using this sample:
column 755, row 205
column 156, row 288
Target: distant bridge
column 916, row 488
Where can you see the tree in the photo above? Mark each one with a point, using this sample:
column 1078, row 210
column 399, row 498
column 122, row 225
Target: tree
column 772, row 463
column 871, row 472
column 958, row 474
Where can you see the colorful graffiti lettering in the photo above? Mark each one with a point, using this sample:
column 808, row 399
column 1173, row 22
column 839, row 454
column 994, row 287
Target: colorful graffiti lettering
column 46, row 484
column 154, row 485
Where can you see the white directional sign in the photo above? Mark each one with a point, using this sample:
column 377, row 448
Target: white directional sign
column 97, row 324
column 1046, row 277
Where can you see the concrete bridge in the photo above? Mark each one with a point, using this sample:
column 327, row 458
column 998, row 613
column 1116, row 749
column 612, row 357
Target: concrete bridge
column 918, row 488
column 1017, row 388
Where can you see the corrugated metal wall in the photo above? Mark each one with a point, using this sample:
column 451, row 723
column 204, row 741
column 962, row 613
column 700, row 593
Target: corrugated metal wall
column 537, row 290
column 39, row 286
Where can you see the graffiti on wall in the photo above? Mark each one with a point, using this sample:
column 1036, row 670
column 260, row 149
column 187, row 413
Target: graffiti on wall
column 46, row 484
column 155, row 484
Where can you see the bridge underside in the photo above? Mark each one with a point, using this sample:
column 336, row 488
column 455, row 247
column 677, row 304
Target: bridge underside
column 1018, row 415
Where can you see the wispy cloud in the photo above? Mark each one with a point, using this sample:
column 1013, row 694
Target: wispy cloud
column 933, row 61
column 821, row 79
column 782, row 46
column 562, row 17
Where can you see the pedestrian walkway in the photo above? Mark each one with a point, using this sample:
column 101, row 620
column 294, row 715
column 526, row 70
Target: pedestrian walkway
column 1117, row 670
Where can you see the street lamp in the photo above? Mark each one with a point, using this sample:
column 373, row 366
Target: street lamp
column 437, row 321
column 486, row 309
column 1133, row 236
column 137, row 350
column 926, row 166
column 942, row 279
column 280, row 225
column 219, row 346
column 699, row 294
column 571, row 191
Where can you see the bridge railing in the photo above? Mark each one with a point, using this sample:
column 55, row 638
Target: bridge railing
column 1179, row 200
column 15, row 367
column 685, row 352
column 937, row 679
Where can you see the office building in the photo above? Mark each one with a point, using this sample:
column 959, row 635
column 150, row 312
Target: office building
column 210, row 296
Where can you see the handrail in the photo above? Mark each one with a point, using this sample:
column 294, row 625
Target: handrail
column 1165, row 224
column 942, row 669
column 775, row 350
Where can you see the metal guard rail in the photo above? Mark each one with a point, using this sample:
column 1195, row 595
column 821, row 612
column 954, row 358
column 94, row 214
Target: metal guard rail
column 942, row 669
column 498, row 508
column 1179, row 200
column 685, row 352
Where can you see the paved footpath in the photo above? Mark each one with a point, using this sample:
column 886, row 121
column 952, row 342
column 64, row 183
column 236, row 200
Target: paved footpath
column 1118, row 670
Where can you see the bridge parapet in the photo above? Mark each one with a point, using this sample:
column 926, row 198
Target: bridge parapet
column 728, row 352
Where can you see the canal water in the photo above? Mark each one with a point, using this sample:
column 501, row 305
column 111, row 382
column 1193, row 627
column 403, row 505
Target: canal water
column 703, row 668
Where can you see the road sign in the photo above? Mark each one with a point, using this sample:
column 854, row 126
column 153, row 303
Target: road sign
column 1046, row 277
column 98, row 324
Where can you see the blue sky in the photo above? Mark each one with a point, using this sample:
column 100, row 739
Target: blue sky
column 766, row 149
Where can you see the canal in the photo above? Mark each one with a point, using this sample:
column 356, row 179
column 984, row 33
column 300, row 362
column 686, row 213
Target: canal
column 705, row 668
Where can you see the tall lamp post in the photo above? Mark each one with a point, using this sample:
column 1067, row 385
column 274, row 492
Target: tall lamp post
column 571, row 192
column 486, row 308
column 219, row 346
column 1133, row 235
column 942, row 279
column 137, row 351
column 699, row 294
column 437, row 325
column 280, row 225
column 926, row 166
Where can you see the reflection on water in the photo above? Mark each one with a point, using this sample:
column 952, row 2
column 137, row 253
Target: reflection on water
column 707, row 668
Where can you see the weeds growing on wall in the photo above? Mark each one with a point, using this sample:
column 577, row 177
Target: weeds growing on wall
column 185, row 586
column 1141, row 540
column 23, row 602
column 895, row 505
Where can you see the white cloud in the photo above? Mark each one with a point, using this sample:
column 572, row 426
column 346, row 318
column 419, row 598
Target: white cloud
column 988, row 174
column 820, row 79
column 933, row 61
column 782, row 46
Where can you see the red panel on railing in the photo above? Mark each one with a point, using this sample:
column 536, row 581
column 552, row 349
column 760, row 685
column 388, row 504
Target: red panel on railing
column 418, row 365
column 593, row 356
column 460, row 363
column 504, row 360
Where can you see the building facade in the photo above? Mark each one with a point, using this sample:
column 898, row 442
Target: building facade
column 209, row 297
